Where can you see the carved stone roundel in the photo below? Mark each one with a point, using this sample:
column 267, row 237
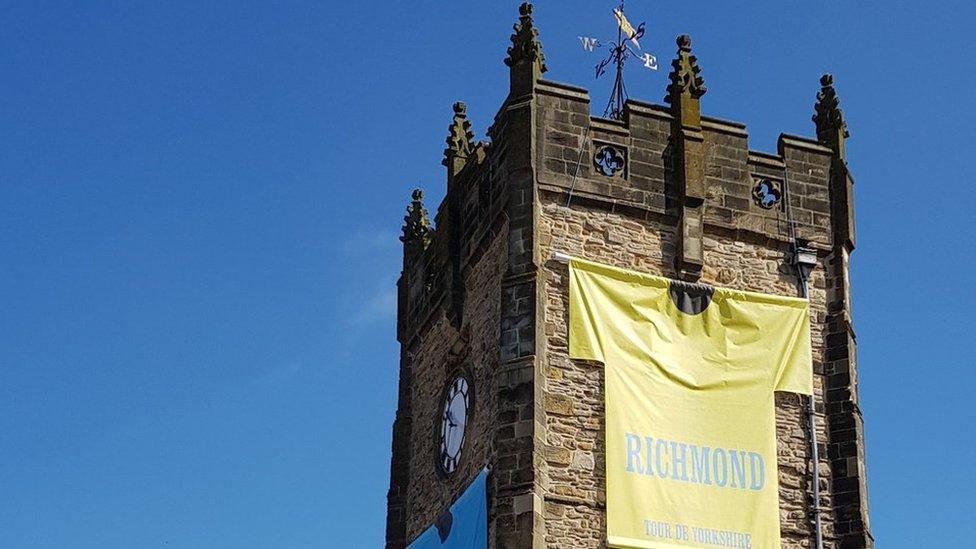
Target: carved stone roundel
column 767, row 193
column 608, row 160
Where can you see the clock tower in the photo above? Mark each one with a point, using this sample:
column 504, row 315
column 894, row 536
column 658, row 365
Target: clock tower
column 485, row 377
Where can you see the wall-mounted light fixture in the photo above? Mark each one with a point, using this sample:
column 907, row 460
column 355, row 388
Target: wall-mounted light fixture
column 804, row 258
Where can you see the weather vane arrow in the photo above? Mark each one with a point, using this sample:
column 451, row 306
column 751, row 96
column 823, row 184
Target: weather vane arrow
column 620, row 50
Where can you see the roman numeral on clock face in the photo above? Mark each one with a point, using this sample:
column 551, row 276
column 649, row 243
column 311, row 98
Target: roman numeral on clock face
column 448, row 462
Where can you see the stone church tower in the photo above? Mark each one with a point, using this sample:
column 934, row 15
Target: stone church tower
column 481, row 297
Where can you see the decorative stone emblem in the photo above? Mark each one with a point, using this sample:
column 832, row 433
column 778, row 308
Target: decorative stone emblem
column 609, row 160
column 767, row 193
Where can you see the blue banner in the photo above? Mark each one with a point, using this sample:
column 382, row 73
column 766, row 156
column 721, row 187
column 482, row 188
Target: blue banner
column 464, row 525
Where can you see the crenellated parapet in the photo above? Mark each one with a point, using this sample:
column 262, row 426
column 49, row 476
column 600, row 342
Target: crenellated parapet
column 436, row 254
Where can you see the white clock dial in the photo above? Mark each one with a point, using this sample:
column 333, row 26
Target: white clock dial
column 454, row 419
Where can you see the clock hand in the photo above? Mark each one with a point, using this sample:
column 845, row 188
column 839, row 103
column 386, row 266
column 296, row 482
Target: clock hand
column 447, row 439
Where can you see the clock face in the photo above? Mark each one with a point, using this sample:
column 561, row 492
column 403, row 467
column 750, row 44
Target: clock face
column 454, row 418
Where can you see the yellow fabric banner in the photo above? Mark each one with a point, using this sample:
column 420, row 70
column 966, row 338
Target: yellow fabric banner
column 690, row 424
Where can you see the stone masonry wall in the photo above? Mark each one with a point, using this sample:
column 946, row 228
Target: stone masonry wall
column 538, row 416
column 574, row 397
column 435, row 356
column 629, row 220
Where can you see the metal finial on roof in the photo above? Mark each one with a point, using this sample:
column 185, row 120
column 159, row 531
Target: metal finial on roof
column 620, row 50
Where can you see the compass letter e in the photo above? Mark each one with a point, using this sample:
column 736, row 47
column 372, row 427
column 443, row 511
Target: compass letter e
column 650, row 62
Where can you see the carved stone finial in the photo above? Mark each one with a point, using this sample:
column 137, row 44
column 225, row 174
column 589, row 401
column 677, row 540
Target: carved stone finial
column 416, row 225
column 831, row 128
column 685, row 73
column 688, row 158
column 460, row 139
column 525, row 42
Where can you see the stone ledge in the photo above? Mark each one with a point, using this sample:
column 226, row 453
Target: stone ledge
column 574, row 502
column 800, row 142
column 724, row 126
column 559, row 89
column 649, row 109
column 516, row 103
column 767, row 160
column 609, row 126
column 557, row 188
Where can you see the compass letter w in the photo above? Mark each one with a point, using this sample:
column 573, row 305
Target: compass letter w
column 589, row 43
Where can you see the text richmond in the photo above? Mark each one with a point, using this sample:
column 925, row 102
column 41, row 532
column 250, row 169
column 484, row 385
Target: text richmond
column 670, row 459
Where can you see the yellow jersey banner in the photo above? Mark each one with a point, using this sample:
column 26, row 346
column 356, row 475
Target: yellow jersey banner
column 690, row 422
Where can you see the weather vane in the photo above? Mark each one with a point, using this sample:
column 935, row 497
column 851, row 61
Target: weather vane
column 620, row 50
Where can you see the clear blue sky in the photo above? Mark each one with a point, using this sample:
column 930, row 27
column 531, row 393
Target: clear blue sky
column 199, row 210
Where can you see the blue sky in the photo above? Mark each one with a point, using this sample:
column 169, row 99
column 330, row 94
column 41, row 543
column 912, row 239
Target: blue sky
column 199, row 206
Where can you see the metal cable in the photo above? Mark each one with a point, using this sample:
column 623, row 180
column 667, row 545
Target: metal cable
column 579, row 162
column 811, row 410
